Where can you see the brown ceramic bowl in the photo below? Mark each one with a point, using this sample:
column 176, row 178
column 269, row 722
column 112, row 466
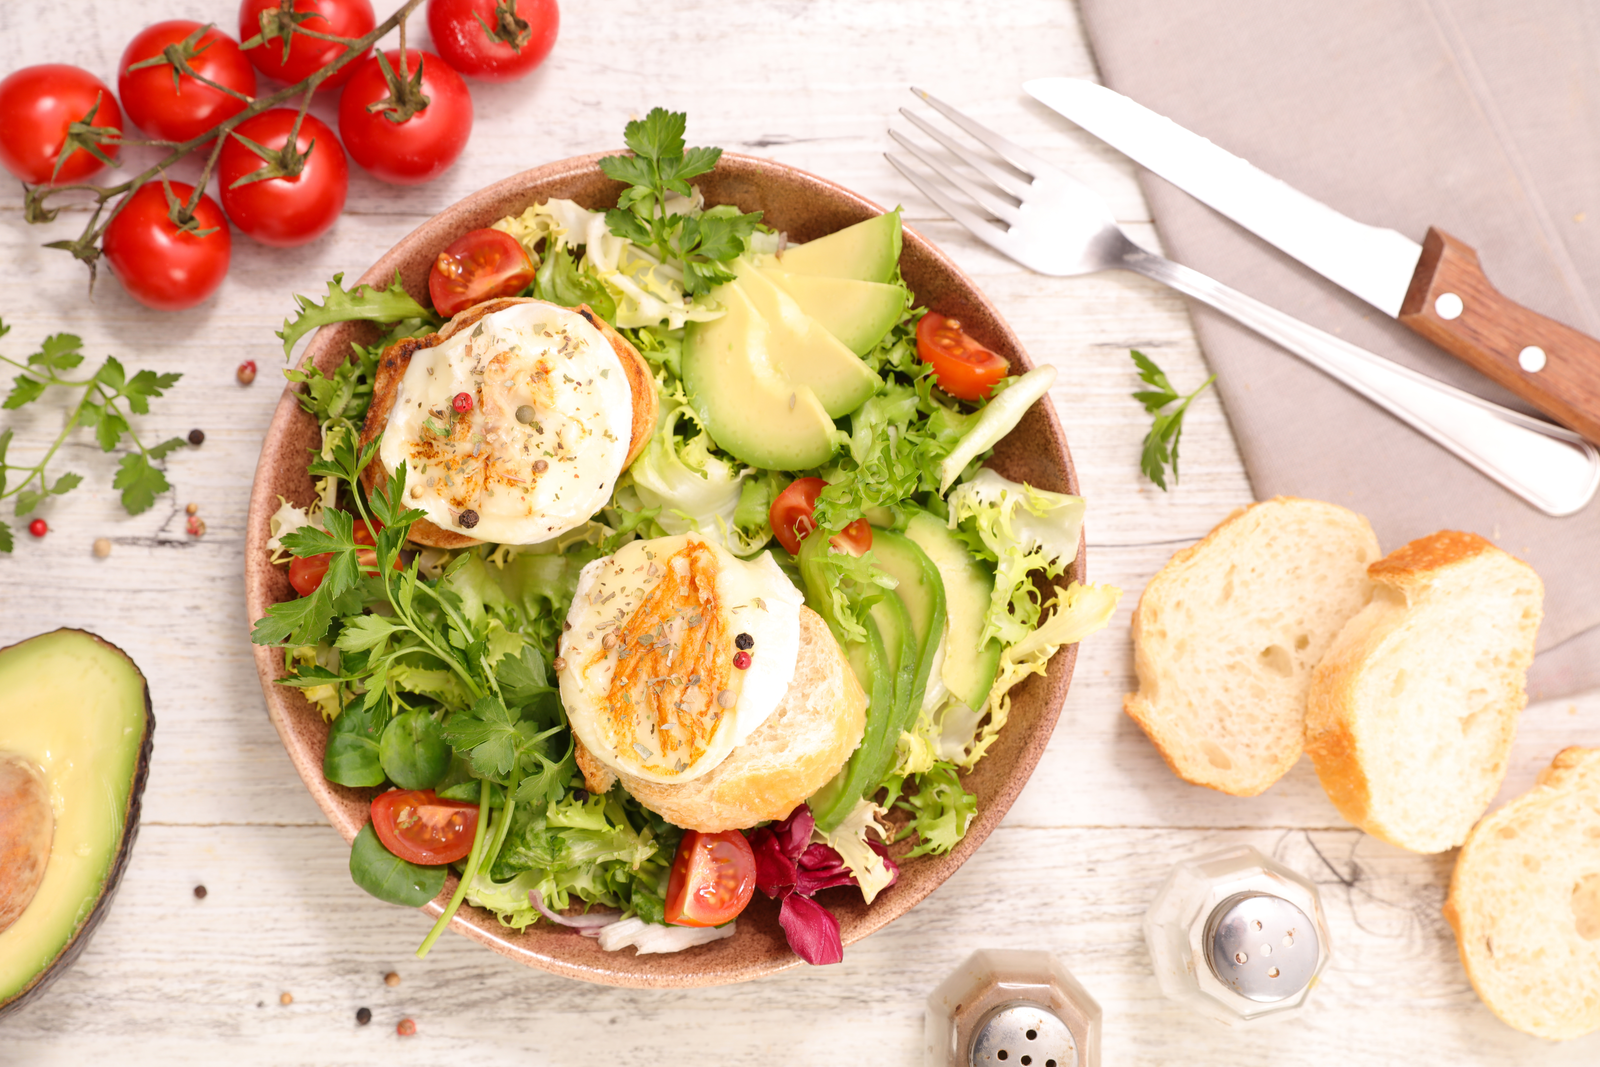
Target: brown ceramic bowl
column 805, row 207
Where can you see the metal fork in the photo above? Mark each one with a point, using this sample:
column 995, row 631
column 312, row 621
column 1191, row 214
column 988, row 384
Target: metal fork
column 1054, row 224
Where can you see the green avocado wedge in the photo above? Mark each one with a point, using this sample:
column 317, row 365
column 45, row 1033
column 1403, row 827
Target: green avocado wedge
column 858, row 313
column 76, row 710
column 802, row 351
column 969, row 669
column 869, row 251
column 743, row 402
column 920, row 589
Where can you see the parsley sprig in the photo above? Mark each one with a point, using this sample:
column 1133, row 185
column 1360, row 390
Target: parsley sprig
column 1161, row 443
column 106, row 399
column 661, row 165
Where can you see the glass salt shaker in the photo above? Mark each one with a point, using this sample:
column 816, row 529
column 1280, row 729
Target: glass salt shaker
column 1012, row 1008
column 1237, row 937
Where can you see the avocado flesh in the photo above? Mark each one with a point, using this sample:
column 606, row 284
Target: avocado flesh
column 869, row 251
column 920, row 589
column 858, row 313
column 802, row 351
column 743, row 402
column 78, row 709
column 969, row 669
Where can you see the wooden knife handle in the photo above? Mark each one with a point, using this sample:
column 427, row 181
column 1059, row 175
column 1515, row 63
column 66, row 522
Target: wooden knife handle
column 1553, row 367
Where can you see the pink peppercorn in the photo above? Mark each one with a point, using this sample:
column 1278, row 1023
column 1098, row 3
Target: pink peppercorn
column 741, row 660
column 462, row 403
column 38, row 527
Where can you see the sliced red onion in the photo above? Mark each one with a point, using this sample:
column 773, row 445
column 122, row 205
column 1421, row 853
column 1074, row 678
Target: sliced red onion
column 589, row 923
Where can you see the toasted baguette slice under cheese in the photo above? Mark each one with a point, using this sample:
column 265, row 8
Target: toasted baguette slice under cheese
column 1413, row 710
column 1525, row 903
column 397, row 357
column 794, row 753
column 1226, row 635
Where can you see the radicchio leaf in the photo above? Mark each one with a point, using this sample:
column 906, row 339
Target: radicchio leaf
column 812, row 930
column 821, row 867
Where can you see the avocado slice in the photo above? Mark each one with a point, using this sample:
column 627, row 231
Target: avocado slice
column 921, row 591
column 869, row 251
column 76, row 711
column 802, row 351
column 743, row 402
column 969, row 670
column 858, row 313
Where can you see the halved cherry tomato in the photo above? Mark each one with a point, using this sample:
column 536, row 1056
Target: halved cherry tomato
column 713, row 878
column 306, row 572
column 962, row 367
column 792, row 521
column 478, row 266
column 420, row 826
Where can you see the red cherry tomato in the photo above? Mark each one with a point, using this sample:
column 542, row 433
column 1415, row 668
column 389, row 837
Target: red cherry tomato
column 424, row 145
column 307, row 55
column 467, row 45
column 37, row 104
column 161, row 266
column 420, row 826
column 713, row 878
column 284, row 212
column 792, row 521
column 194, row 107
column 478, row 266
column 962, row 367
column 306, row 572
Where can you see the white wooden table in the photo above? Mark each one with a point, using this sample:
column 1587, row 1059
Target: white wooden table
column 176, row 980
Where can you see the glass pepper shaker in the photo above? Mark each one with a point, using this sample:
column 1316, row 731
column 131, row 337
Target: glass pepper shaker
column 1012, row 1008
column 1237, row 937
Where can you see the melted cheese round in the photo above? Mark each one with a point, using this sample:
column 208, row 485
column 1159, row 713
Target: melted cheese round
column 648, row 675
column 541, row 448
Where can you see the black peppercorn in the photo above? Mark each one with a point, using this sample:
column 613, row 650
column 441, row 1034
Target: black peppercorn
column 744, row 641
column 200, row 892
column 363, row 1016
column 197, row 437
column 580, row 795
column 467, row 519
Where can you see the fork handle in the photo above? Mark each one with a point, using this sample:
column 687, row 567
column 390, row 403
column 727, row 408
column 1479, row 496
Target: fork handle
column 1552, row 468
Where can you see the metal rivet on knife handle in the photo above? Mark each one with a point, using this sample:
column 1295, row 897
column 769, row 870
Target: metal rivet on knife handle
column 1449, row 306
column 1497, row 336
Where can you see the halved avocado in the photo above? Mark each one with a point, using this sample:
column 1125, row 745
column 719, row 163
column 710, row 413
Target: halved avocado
column 75, row 712
column 744, row 403
column 869, row 251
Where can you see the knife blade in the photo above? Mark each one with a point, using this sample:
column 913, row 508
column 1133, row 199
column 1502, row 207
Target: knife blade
column 1436, row 288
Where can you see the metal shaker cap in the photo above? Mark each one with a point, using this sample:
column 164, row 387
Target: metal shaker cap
column 1262, row 946
column 1029, row 1035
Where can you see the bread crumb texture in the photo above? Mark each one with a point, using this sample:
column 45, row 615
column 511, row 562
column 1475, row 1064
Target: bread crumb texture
column 1412, row 713
column 1227, row 634
column 1525, row 903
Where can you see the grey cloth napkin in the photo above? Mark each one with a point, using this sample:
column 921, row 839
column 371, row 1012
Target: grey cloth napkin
column 1481, row 117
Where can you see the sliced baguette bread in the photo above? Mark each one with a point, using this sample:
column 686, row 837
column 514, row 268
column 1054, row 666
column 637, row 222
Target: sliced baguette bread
column 1412, row 712
column 1226, row 635
column 1525, row 903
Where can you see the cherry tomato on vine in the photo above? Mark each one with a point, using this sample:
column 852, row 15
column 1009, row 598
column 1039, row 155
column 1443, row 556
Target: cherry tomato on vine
column 792, row 521
column 37, row 104
column 194, row 107
column 713, row 878
column 307, row 55
column 306, row 572
column 161, row 266
column 284, row 212
column 424, row 145
column 478, row 266
column 464, row 32
column 962, row 367
column 420, row 826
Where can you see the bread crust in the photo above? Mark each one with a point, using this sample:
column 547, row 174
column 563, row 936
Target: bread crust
column 1337, row 722
column 791, row 755
column 1176, row 747
column 397, row 357
column 1525, row 952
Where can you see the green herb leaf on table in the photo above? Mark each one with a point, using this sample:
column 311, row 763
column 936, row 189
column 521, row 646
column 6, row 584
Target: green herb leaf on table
column 1161, row 443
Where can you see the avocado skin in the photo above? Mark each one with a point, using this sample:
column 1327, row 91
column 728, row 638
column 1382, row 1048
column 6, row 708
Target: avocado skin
column 130, row 831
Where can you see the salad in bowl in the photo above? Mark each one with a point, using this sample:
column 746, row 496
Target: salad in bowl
column 653, row 567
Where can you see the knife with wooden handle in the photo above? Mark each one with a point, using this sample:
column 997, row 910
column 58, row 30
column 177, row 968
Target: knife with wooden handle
column 1436, row 288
